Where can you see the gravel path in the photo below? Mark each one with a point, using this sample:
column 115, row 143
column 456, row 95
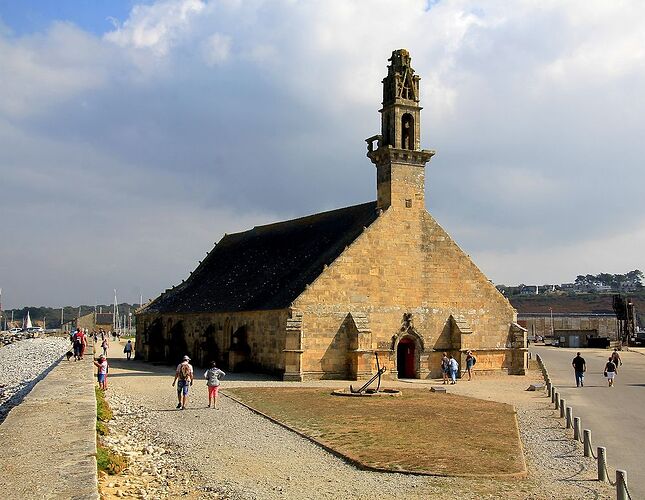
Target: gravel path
column 233, row 453
column 23, row 364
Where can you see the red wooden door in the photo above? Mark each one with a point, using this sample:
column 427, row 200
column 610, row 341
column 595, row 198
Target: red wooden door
column 405, row 358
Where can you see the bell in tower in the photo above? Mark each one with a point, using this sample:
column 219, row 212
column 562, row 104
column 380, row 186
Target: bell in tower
column 399, row 159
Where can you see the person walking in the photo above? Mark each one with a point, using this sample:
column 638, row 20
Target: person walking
column 445, row 367
column 470, row 363
column 105, row 345
column 610, row 371
column 615, row 357
column 84, row 346
column 213, row 374
column 128, row 349
column 454, row 369
column 101, row 374
column 579, row 367
column 79, row 344
column 184, row 379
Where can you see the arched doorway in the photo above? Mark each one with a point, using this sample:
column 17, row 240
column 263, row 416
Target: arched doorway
column 406, row 358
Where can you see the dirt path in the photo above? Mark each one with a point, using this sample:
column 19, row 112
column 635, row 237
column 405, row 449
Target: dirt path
column 233, row 453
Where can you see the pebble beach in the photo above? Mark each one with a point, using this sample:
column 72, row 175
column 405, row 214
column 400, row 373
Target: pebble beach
column 23, row 364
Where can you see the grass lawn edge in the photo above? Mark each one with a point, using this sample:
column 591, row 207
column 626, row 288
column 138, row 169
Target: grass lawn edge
column 360, row 465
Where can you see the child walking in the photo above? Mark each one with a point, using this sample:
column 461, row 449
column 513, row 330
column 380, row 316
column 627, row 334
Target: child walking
column 213, row 375
column 101, row 374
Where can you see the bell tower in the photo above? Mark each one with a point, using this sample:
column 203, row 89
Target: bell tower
column 399, row 159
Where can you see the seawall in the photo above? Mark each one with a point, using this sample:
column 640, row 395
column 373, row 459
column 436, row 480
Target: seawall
column 48, row 442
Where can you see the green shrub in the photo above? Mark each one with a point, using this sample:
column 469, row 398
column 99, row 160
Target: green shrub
column 103, row 410
column 108, row 461
column 101, row 428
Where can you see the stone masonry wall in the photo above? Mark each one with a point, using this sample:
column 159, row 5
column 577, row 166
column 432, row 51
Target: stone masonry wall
column 605, row 326
column 403, row 263
column 211, row 336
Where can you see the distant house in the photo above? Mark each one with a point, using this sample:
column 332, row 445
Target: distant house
column 630, row 286
column 530, row 290
column 91, row 321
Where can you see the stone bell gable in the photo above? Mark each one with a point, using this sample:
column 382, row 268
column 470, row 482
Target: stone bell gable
column 323, row 296
column 417, row 287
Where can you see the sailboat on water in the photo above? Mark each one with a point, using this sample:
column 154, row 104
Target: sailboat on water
column 26, row 323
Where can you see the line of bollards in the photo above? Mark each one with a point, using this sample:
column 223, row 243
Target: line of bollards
column 571, row 422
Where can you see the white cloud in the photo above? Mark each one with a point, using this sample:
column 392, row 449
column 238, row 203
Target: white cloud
column 556, row 261
column 157, row 27
column 217, row 49
column 251, row 111
column 43, row 70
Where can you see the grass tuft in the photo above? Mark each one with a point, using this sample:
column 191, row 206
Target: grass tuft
column 109, row 461
column 106, row 459
column 103, row 410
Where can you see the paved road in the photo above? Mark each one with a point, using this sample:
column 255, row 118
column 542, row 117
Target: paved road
column 616, row 416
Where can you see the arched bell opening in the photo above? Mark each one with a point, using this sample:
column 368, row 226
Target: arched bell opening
column 407, row 131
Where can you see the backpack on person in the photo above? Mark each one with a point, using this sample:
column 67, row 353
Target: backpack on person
column 184, row 372
column 474, row 360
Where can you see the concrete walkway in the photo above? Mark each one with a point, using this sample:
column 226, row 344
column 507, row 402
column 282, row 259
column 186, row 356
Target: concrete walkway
column 48, row 442
column 614, row 415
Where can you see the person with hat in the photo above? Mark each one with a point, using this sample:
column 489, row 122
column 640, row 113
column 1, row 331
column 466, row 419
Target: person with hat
column 101, row 374
column 183, row 379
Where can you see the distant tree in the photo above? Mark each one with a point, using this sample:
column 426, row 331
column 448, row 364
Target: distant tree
column 606, row 279
column 636, row 276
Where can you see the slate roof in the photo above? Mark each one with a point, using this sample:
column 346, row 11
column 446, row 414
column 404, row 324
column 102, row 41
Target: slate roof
column 266, row 267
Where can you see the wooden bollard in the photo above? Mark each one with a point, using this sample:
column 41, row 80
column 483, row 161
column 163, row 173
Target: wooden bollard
column 602, row 464
column 621, row 485
column 576, row 428
column 587, row 442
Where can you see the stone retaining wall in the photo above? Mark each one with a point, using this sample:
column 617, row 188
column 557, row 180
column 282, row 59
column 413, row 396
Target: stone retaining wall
column 48, row 442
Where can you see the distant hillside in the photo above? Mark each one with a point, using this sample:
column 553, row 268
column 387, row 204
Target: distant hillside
column 577, row 303
column 53, row 315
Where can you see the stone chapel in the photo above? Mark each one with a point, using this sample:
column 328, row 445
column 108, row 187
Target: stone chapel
column 317, row 297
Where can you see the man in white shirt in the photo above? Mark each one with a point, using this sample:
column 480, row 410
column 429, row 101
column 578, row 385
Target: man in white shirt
column 184, row 374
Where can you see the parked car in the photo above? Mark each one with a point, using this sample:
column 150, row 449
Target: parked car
column 14, row 331
column 638, row 339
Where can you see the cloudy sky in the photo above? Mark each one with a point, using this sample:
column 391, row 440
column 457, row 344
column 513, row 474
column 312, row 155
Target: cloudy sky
column 133, row 135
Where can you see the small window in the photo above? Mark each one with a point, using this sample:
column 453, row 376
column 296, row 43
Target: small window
column 408, row 203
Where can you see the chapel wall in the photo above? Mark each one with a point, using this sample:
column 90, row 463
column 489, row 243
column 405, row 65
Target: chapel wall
column 403, row 263
column 209, row 336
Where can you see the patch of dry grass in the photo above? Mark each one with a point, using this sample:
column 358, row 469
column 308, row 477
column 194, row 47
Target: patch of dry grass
column 419, row 431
